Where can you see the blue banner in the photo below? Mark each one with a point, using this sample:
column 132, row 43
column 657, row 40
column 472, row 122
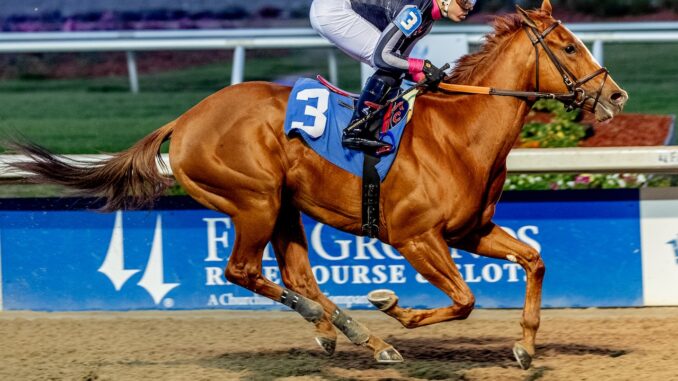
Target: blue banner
column 58, row 255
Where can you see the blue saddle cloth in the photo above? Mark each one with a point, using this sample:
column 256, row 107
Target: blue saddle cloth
column 319, row 116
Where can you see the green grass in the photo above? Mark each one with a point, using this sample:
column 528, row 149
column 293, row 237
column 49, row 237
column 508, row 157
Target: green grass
column 101, row 115
column 648, row 72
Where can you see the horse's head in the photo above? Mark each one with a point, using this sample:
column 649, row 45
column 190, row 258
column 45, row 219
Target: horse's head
column 565, row 65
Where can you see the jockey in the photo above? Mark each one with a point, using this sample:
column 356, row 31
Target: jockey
column 382, row 33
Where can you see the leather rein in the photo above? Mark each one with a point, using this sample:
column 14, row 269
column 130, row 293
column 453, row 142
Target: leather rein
column 576, row 97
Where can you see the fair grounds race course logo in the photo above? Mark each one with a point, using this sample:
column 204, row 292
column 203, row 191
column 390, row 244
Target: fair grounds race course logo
column 153, row 279
column 382, row 264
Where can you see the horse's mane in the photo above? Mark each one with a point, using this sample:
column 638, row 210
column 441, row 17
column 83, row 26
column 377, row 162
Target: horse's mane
column 504, row 27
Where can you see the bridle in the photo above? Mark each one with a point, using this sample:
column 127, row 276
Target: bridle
column 576, row 97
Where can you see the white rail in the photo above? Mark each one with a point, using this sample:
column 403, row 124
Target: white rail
column 240, row 40
column 595, row 160
column 662, row 159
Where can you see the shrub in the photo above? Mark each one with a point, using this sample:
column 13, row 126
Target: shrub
column 300, row 12
column 553, row 181
column 234, row 13
column 562, row 131
column 270, row 12
column 670, row 4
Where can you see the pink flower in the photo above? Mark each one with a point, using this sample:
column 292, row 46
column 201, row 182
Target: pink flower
column 582, row 179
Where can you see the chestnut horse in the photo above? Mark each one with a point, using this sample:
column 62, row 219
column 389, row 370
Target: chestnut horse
column 230, row 153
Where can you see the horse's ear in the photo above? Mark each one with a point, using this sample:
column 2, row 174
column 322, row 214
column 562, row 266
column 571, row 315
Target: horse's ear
column 546, row 7
column 526, row 18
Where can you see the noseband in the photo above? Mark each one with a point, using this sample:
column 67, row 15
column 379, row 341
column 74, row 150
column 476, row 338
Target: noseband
column 577, row 96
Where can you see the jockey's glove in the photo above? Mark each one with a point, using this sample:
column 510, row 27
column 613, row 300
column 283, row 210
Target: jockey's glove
column 433, row 74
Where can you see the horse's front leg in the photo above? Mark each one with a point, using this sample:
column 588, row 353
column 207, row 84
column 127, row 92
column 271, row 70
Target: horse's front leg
column 430, row 256
column 494, row 242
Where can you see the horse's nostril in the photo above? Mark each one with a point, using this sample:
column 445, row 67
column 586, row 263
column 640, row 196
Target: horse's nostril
column 618, row 97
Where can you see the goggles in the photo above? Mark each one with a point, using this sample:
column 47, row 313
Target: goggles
column 466, row 5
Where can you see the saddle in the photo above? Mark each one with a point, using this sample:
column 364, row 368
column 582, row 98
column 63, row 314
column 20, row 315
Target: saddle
column 323, row 81
column 377, row 123
column 318, row 111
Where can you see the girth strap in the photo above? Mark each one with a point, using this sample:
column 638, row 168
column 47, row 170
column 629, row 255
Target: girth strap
column 370, row 197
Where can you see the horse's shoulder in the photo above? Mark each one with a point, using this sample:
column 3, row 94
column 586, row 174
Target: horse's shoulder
column 260, row 89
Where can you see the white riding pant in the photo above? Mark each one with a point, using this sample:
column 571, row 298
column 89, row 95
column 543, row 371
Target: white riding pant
column 338, row 22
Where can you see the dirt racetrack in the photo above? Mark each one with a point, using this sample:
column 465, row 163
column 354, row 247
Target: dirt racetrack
column 583, row 344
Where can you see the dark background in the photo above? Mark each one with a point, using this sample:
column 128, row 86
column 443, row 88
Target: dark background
column 78, row 15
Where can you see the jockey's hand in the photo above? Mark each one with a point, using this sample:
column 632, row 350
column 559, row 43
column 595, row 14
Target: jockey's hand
column 433, row 74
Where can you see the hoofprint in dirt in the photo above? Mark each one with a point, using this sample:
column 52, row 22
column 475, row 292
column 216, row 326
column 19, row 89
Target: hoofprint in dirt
column 578, row 344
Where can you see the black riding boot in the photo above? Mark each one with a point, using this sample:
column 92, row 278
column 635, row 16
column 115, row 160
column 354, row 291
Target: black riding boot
column 377, row 89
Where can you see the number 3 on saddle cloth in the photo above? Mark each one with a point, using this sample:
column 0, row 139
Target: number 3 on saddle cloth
column 318, row 115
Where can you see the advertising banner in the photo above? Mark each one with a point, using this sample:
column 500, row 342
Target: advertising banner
column 659, row 216
column 57, row 255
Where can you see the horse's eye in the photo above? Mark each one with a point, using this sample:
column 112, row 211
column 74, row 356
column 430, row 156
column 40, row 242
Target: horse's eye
column 570, row 49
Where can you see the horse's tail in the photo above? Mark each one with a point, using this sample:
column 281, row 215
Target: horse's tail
column 127, row 180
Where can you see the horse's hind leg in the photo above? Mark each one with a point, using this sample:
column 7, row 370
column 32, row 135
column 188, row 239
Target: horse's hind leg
column 256, row 223
column 291, row 248
column 496, row 243
column 430, row 256
column 254, row 228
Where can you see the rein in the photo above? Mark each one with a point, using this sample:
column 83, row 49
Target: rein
column 576, row 96
column 465, row 89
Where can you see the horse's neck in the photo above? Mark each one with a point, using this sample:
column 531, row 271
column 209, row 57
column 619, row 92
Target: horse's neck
column 491, row 124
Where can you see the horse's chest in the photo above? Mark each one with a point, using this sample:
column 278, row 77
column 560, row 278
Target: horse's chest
column 493, row 193
column 495, row 188
column 474, row 208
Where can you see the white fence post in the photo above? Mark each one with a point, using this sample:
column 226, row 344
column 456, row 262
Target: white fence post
column 333, row 67
column 598, row 51
column 238, row 71
column 133, row 74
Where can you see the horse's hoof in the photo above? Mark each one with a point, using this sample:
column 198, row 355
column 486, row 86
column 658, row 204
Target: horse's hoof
column 522, row 356
column 328, row 345
column 388, row 356
column 382, row 299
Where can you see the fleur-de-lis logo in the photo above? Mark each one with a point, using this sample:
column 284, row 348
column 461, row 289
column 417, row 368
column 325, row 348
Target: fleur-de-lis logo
column 153, row 279
column 674, row 245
